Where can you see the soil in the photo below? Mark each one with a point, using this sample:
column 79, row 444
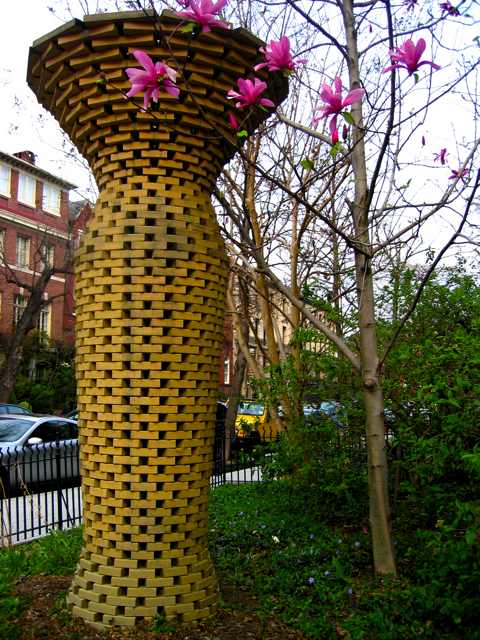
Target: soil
column 45, row 616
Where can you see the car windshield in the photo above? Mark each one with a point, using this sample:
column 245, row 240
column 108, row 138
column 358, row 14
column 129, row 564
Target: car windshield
column 250, row 409
column 13, row 429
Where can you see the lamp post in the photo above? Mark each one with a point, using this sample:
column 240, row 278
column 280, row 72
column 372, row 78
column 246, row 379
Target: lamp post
column 150, row 288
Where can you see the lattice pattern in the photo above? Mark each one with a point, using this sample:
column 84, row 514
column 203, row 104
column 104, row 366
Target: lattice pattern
column 151, row 277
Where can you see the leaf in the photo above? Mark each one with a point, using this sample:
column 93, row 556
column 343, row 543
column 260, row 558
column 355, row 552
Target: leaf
column 307, row 164
column 188, row 28
column 347, row 116
column 335, row 149
column 242, row 134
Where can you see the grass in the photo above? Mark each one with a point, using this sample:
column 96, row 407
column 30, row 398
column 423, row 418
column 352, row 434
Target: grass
column 56, row 554
column 272, row 540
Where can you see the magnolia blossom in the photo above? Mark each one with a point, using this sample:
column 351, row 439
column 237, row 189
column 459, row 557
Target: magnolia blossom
column 151, row 79
column 334, row 104
column 278, row 56
column 461, row 174
column 204, row 12
column 440, row 157
column 447, row 7
column 408, row 57
column 249, row 92
column 233, row 121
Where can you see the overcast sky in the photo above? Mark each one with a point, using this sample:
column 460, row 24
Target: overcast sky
column 23, row 123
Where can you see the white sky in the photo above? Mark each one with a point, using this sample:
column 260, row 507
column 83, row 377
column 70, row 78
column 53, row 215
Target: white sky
column 23, row 21
column 26, row 125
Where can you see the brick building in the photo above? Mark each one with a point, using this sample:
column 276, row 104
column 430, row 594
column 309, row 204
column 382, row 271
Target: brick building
column 38, row 222
column 34, row 227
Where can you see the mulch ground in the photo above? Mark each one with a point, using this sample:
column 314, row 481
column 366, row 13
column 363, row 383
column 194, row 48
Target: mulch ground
column 45, row 616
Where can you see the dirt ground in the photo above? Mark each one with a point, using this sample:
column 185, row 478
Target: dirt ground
column 45, row 616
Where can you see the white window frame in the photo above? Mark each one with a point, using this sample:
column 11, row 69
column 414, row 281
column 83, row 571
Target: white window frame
column 44, row 321
column 27, row 196
column 226, row 370
column 19, row 305
column 22, row 253
column 51, row 198
column 5, row 179
column 2, row 245
column 47, row 254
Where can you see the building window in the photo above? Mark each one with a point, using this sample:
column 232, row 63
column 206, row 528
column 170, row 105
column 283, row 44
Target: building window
column 226, row 371
column 51, row 199
column 2, row 243
column 19, row 304
column 23, row 251
column 5, row 175
column 43, row 325
column 47, row 254
column 26, row 189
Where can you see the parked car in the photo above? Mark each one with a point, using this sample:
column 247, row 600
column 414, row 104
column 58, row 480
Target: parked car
column 73, row 414
column 13, row 408
column 330, row 408
column 36, row 450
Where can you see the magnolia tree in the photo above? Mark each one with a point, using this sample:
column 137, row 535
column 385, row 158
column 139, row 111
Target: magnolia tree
column 374, row 152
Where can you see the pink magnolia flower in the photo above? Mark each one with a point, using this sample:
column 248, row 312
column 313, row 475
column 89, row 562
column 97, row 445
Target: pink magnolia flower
column 249, row 92
column 204, row 12
column 151, row 79
column 278, row 56
column 440, row 157
column 447, row 7
column 233, row 121
column 462, row 174
column 334, row 104
column 408, row 57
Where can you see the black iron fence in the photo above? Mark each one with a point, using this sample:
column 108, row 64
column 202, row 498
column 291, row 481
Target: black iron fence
column 39, row 490
column 40, row 484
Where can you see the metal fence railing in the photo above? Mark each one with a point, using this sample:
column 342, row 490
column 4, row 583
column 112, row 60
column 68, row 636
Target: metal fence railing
column 40, row 484
column 39, row 490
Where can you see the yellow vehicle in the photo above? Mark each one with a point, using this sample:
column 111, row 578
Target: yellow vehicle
column 253, row 416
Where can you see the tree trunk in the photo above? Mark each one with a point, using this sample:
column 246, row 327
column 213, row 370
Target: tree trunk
column 383, row 556
column 238, row 377
column 13, row 356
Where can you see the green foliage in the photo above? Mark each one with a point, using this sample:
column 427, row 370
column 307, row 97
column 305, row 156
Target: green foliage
column 56, row 554
column 53, row 389
column 272, row 539
column 431, row 384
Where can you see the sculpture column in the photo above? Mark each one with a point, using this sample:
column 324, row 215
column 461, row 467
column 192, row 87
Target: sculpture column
column 151, row 278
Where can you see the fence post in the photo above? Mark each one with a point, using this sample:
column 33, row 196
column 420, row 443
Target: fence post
column 59, row 483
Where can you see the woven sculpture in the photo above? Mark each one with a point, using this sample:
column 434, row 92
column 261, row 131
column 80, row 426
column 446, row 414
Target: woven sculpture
column 151, row 277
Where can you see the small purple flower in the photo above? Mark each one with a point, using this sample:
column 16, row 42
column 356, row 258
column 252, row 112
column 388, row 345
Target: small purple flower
column 462, row 174
column 326, row 573
column 441, row 157
column 311, row 580
column 311, row 536
column 448, row 8
column 349, row 591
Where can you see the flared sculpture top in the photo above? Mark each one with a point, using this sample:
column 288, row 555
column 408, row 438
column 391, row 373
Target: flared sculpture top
column 78, row 74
